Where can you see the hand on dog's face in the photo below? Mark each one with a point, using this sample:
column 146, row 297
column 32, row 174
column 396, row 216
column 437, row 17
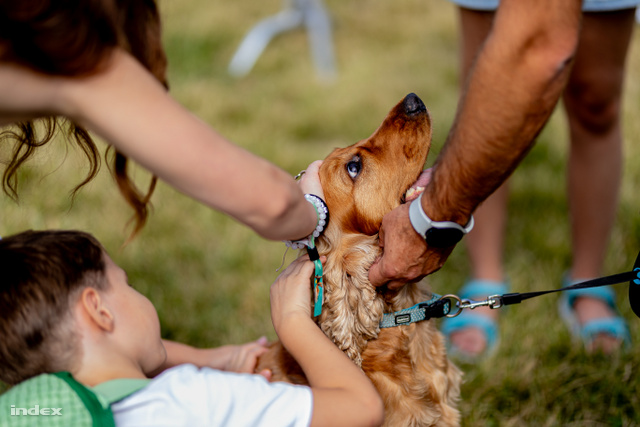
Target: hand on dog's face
column 406, row 257
column 310, row 180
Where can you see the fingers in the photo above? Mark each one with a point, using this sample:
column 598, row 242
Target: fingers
column 314, row 167
column 297, row 267
column 310, row 181
column 384, row 272
column 250, row 361
column 375, row 274
column 405, row 255
column 266, row 373
column 300, row 266
column 291, row 292
column 246, row 357
column 396, row 270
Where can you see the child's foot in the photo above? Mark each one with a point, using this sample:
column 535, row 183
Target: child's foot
column 592, row 318
column 471, row 341
column 590, row 310
column 474, row 334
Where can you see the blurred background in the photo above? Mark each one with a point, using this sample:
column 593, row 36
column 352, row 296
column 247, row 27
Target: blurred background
column 209, row 277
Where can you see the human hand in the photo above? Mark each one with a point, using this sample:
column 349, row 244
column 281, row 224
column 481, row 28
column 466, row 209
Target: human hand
column 241, row 358
column 291, row 293
column 235, row 358
column 310, row 180
column 405, row 254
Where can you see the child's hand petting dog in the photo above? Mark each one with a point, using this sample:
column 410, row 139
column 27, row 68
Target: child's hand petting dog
column 291, row 293
column 241, row 358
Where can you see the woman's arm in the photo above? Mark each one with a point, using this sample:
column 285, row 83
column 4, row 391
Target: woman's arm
column 124, row 104
column 342, row 394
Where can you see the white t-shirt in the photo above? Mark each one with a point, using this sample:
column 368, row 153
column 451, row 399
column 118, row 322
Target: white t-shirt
column 188, row 396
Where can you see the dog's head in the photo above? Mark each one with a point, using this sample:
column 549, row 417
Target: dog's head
column 362, row 183
column 366, row 180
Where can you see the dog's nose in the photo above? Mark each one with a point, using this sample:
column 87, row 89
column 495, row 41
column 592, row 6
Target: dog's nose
column 413, row 104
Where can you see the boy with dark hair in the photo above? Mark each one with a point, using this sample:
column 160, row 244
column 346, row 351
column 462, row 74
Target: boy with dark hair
column 66, row 306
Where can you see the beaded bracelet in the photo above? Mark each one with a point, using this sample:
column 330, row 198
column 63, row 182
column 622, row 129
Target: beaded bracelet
column 322, row 213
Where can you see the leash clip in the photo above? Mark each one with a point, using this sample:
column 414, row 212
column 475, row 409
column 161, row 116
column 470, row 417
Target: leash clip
column 493, row 302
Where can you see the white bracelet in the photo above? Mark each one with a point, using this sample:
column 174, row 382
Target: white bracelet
column 322, row 213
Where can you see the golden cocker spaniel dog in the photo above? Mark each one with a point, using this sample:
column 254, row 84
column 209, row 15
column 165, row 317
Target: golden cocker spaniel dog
column 407, row 363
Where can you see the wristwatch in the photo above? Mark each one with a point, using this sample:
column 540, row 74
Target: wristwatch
column 439, row 234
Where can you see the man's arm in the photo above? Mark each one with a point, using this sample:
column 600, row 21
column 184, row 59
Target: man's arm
column 512, row 90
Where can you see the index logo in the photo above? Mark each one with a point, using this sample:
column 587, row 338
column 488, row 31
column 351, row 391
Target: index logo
column 35, row 411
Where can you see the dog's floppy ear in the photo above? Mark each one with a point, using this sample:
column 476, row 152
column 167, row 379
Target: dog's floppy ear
column 354, row 305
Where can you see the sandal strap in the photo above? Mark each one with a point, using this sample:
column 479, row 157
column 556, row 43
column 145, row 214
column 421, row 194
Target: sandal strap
column 613, row 326
column 483, row 288
column 602, row 293
column 466, row 320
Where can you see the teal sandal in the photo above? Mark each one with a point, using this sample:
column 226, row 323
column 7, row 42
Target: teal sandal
column 613, row 326
column 467, row 319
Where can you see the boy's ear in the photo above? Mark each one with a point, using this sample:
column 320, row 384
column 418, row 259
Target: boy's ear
column 95, row 309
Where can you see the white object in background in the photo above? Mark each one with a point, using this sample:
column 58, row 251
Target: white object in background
column 310, row 14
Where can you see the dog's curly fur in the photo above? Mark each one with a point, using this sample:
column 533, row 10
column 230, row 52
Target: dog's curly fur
column 407, row 364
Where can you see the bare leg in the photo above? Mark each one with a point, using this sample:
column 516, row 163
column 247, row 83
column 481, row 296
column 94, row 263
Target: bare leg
column 485, row 242
column 593, row 102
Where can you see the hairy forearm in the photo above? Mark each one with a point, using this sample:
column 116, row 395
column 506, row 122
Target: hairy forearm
column 511, row 92
column 131, row 110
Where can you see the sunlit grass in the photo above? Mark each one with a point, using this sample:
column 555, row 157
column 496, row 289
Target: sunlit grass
column 209, row 276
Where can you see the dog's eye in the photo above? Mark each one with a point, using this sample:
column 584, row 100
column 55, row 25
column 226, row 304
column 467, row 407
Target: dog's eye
column 353, row 167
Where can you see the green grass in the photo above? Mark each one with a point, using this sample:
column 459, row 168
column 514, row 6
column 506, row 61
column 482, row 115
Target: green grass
column 209, row 277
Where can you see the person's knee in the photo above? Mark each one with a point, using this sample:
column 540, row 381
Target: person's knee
column 595, row 111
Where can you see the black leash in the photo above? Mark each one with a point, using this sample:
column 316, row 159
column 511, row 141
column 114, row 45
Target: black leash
column 445, row 306
column 497, row 301
column 516, row 298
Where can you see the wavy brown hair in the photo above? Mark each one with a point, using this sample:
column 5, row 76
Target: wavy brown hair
column 75, row 38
